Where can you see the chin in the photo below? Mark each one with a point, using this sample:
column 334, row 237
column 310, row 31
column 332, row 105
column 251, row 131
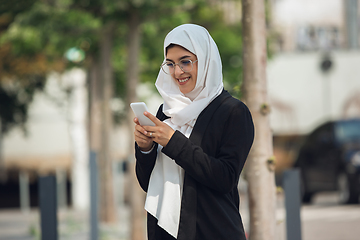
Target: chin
column 184, row 91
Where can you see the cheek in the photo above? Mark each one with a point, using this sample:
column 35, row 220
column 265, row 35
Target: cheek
column 174, row 80
column 195, row 76
column 195, row 71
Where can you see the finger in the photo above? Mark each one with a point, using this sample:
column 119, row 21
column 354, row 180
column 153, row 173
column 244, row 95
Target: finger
column 141, row 136
column 151, row 135
column 136, row 120
column 143, row 141
column 141, row 129
column 147, row 133
column 153, row 118
column 150, row 128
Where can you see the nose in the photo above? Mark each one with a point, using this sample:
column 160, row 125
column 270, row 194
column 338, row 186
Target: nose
column 178, row 70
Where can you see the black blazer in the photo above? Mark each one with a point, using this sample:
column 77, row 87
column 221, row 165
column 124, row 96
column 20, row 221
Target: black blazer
column 213, row 158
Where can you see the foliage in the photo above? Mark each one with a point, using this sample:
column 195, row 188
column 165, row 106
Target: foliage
column 41, row 31
column 16, row 96
column 34, row 39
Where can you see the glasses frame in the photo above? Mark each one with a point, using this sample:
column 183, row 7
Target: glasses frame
column 192, row 66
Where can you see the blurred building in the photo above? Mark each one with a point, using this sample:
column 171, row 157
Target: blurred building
column 56, row 142
column 314, row 75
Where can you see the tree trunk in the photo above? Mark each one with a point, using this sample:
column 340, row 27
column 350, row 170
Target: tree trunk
column 3, row 174
column 260, row 165
column 101, row 85
column 136, row 194
column 108, row 211
column 95, row 87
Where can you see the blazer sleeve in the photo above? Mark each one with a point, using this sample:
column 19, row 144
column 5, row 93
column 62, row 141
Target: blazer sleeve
column 144, row 165
column 145, row 162
column 220, row 172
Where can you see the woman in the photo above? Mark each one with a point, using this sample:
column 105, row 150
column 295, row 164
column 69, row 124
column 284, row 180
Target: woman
column 189, row 163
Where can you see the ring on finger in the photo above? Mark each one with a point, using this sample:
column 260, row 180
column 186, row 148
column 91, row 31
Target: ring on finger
column 151, row 134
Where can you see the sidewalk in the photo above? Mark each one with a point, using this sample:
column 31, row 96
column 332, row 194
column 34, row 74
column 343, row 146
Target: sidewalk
column 72, row 225
column 322, row 220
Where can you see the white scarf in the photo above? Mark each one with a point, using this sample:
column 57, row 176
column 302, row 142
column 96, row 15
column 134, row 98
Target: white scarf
column 163, row 199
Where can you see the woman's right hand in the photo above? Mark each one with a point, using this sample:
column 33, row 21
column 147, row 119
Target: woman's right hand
column 144, row 142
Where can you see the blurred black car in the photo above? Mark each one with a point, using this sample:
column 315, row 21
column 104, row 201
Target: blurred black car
column 329, row 160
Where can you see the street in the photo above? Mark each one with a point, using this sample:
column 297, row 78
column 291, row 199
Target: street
column 322, row 220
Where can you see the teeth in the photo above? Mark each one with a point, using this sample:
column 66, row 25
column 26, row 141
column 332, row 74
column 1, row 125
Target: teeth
column 183, row 80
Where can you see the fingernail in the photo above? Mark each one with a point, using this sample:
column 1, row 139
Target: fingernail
column 145, row 132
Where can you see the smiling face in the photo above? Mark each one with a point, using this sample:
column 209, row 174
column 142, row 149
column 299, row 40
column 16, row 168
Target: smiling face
column 185, row 80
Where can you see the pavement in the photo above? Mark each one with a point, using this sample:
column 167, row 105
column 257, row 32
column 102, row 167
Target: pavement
column 325, row 219
column 72, row 225
column 322, row 220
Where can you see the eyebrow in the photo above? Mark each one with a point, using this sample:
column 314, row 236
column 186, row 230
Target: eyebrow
column 179, row 58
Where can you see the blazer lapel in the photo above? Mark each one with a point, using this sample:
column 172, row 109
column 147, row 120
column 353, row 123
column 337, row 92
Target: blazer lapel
column 187, row 225
column 205, row 116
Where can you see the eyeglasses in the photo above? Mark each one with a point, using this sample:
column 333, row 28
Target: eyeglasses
column 186, row 65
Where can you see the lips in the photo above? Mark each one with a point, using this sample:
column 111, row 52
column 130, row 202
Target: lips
column 183, row 80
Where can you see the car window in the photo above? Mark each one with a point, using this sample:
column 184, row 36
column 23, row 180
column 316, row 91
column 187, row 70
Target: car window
column 348, row 131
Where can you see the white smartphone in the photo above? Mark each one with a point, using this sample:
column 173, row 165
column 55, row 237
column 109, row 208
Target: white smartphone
column 139, row 108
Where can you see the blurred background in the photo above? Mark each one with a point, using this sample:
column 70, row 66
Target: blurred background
column 70, row 68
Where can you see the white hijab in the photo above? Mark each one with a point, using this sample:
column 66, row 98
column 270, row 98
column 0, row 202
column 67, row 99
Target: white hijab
column 163, row 199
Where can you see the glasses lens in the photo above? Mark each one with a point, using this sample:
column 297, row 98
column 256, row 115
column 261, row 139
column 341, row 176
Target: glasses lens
column 168, row 67
column 186, row 65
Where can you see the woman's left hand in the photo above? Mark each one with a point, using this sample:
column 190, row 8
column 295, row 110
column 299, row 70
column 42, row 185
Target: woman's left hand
column 160, row 133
